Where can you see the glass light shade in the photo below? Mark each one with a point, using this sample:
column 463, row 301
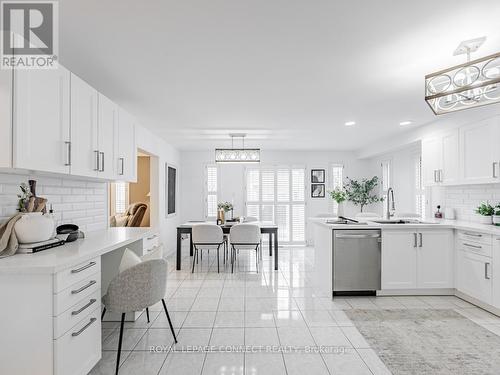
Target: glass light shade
column 237, row 155
column 468, row 85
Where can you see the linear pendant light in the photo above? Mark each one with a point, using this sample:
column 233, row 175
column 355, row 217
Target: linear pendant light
column 469, row 85
column 237, row 155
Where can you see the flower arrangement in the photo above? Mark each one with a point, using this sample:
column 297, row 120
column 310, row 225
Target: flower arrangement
column 338, row 195
column 24, row 196
column 226, row 206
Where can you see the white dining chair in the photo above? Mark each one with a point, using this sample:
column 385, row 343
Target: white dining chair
column 207, row 237
column 245, row 236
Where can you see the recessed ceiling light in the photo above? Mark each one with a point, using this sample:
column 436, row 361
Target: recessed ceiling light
column 350, row 123
column 404, row 123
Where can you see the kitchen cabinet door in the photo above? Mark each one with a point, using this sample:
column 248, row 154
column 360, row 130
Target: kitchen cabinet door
column 450, row 158
column 435, row 258
column 127, row 153
column 399, row 262
column 474, row 276
column 107, row 128
column 480, row 151
column 496, row 272
column 84, row 137
column 41, row 119
column 431, row 160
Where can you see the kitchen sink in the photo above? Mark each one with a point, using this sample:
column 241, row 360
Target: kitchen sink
column 402, row 221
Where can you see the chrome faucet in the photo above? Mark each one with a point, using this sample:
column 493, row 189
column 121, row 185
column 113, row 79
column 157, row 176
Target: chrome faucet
column 390, row 193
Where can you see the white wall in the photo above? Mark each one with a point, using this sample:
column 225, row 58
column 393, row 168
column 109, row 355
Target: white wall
column 232, row 179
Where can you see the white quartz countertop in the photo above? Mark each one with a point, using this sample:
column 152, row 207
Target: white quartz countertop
column 450, row 224
column 70, row 254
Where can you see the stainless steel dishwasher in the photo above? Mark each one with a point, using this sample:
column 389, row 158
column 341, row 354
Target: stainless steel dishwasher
column 356, row 261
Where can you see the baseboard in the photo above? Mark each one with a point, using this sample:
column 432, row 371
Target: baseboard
column 474, row 301
column 417, row 292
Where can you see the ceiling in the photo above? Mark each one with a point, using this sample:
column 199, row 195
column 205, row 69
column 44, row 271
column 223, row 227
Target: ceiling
column 288, row 73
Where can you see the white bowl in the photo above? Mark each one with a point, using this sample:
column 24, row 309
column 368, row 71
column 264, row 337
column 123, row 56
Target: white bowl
column 34, row 227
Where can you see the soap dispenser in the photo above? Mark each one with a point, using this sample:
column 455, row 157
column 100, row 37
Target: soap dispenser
column 438, row 214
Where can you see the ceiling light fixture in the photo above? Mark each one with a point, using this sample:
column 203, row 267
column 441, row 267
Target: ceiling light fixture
column 405, row 123
column 472, row 84
column 350, row 123
column 237, row 155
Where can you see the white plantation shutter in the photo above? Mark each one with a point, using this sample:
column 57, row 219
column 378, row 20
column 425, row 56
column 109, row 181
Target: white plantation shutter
column 419, row 187
column 386, row 182
column 337, row 172
column 277, row 196
column 211, row 191
column 121, row 197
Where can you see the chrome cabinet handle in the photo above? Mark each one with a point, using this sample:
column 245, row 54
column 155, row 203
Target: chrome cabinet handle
column 152, row 237
column 415, row 239
column 440, row 174
column 494, row 169
column 84, row 267
column 79, row 290
column 122, row 169
column 486, row 273
column 473, row 246
column 421, row 240
column 68, row 160
column 77, row 333
column 357, row 236
column 91, row 302
column 435, row 175
column 97, row 163
column 102, row 162
column 473, row 234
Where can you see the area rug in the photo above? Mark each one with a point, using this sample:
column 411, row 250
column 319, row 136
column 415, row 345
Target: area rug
column 420, row 341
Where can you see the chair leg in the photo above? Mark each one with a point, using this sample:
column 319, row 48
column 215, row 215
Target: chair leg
column 169, row 321
column 195, row 258
column 147, row 314
column 233, row 256
column 218, row 269
column 120, row 344
column 102, row 314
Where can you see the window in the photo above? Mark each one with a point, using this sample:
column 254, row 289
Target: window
column 419, row 187
column 386, row 182
column 277, row 195
column 336, row 181
column 211, row 192
column 121, row 197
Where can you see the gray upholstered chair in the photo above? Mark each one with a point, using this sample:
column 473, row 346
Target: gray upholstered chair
column 245, row 237
column 135, row 289
column 207, row 237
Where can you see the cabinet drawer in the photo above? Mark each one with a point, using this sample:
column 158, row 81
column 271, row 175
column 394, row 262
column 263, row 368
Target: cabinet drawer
column 79, row 349
column 474, row 237
column 150, row 242
column 72, row 275
column 76, row 293
column 475, row 247
column 72, row 316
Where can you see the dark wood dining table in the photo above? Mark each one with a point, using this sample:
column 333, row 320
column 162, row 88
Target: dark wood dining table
column 186, row 228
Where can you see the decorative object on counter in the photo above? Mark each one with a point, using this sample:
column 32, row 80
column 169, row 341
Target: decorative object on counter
column 34, row 227
column 24, row 197
column 69, row 232
column 8, row 238
column 40, row 204
column 28, row 201
column 485, row 213
column 496, row 215
column 317, row 190
column 317, row 176
column 449, row 213
column 438, row 214
column 360, row 193
column 339, row 195
column 222, row 208
column 30, row 248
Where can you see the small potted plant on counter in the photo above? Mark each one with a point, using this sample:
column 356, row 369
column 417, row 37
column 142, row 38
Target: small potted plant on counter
column 339, row 195
column 496, row 215
column 485, row 213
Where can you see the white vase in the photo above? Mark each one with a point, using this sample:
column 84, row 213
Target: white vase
column 484, row 219
column 34, row 227
column 340, row 209
column 496, row 219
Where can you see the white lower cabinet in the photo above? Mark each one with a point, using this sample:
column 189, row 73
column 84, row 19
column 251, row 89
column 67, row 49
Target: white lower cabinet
column 474, row 275
column 417, row 259
column 495, row 272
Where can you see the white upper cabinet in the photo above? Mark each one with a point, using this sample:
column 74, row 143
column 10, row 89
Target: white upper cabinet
column 450, row 162
column 126, row 157
column 84, row 136
column 431, row 160
column 41, row 120
column 480, row 151
column 107, row 128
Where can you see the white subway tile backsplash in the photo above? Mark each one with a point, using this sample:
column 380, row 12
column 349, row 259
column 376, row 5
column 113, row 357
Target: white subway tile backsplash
column 81, row 202
column 465, row 199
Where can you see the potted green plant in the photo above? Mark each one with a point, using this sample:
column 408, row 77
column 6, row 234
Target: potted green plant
column 339, row 195
column 496, row 215
column 485, row 213
column 223, row 207
column 360, row 192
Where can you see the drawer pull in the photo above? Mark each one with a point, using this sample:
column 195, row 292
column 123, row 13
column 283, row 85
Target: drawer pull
column 473, row 246
column 486, row 273
column 151, row 238
column 77, row 333
column 473, row 234
column 76, row 291
column 91, row 302
column 84, row 267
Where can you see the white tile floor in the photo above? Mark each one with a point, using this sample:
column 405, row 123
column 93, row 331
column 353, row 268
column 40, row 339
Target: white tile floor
column 275, row 320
